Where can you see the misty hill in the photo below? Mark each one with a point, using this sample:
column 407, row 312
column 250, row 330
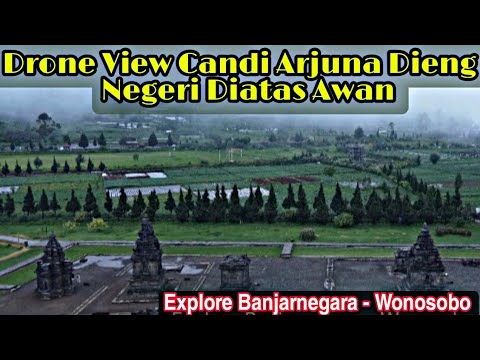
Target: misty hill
column 443, row 111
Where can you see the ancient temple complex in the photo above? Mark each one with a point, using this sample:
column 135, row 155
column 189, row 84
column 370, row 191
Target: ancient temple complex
column 421, row 264
column 54, row 273
column 148, row 275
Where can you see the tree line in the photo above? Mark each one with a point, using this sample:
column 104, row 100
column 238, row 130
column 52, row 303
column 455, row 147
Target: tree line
column 55, row 168
column 430, row 207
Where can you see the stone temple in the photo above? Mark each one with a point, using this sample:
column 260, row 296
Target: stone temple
column 54, row 273
column 148, row 277
column 235, row 273
column 421, row 264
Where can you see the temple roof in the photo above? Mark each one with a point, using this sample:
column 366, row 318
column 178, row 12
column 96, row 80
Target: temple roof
column 53, row 251
column 424, row 240
column 147, row 245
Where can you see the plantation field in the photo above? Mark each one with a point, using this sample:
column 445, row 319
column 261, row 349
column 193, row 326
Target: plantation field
column 244, row 176
column 158, row 159
column 444, row 173
column 280, row 232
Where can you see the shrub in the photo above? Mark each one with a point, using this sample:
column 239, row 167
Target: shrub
column 459, row 222
column 307, row 234
column 70, row 225
column 97, row 225
column 287, row 216
column 329, row 171
column 447, row 230
column 80, row 217
column 344, row 220
column 434, row 157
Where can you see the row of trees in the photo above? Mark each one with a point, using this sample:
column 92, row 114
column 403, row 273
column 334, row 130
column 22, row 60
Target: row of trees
column 56, row 166
column 31, row 206
column 84, row 143
column 429, row 207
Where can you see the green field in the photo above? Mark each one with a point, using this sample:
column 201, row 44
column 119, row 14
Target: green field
column 280, row 232
column 24, row 256
column 61, row 184
column 159, row 159
column 444, row 173
column 7, row 250
column 19, row 277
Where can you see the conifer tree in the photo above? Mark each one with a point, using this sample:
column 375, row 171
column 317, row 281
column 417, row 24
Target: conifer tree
column 54, row 167
column 303, row 211
column 90, row 166
column 123, row 205
column 224, row 196
column 181, row 211
column 271, row 212
column 108, row 205
column 54, row 206
column 18, row 169
column 289, row 201
column 374, row 209
column 250, row 209
column 170, row 204
column 259, row 197
column 218, row 210
column 9, row 206
column 234, row 209
column 29, row 202
column 43, row 205
column 29, row 169
column 73, row 205
column 338, row 205
column 90, row 206
column 356, row 206
column 66, row 167
column 320, row 198
column 5, row 169
column 189, row 200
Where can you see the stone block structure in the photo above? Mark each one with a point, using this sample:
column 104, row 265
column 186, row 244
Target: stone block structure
column 54, row 273
column 235, row 273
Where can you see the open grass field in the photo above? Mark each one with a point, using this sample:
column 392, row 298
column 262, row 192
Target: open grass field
column 160, row 159
column 6, row 250
column 281, row 232
column 21, row 257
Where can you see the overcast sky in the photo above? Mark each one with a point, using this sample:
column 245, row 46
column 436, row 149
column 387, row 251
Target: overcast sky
column 65, row 102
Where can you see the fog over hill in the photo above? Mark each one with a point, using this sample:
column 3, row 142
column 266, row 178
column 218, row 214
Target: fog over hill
column 451, row 111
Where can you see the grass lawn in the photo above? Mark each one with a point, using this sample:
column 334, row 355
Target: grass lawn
column 162, row 158
column 25, row 256
column 19, row 277
column 281, row 232
column 79, row 251
column 7, row 250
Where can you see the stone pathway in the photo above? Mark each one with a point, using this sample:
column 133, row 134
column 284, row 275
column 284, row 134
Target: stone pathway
column 287, row 250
